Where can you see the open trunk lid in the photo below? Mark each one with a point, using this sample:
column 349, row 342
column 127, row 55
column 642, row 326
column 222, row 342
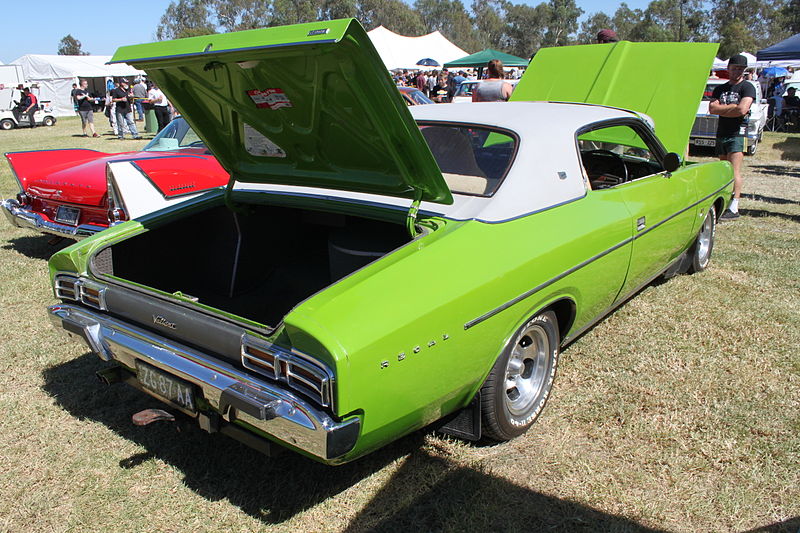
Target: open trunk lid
column 662, row 80
column 307, row 104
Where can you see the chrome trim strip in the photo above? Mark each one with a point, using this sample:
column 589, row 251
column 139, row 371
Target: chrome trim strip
column 536, row 289
column 235, row 395
column 25, row 218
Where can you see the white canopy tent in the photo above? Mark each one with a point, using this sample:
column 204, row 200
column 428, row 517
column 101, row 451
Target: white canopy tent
column 55, row 75
column 720, row 64
column 399, row 51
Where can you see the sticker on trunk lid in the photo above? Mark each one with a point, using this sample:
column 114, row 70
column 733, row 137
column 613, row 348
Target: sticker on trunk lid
column 269, row 98
column 257, row 144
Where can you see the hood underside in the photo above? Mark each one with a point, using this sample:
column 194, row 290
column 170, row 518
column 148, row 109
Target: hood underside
column 307, row 104
column 662, row 80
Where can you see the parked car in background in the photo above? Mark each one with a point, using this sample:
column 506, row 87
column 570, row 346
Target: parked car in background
column 464, row 92
column 414, row 96
column 373, row 268
column 75, row 193
column 704, row 131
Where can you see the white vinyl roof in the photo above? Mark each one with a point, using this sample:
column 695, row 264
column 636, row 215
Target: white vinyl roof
column 399, row 51
column 546, row 172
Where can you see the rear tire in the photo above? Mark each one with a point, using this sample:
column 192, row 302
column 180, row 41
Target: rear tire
column 704, row 243
column 6, row 124
column 751, row 149
column 520, row 382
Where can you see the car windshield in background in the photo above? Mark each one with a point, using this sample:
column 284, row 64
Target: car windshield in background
column 465, row 89
column 178, row 134
column 419, row 97
column 473, row 160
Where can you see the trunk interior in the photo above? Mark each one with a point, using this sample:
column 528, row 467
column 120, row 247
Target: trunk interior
column 256, row 265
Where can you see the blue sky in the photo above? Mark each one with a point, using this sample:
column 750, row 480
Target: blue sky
column 102, row 27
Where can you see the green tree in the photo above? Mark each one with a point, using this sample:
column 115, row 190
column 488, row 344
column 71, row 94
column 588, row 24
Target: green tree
column 394, row 15
column 562, row 22
column 525, row 28
column 489, row 22
column 451, row 19
column 735, row 38
column 70, row 46
column 237, row 15
column 185, row 18
column 592, row 25
column 625, row 20
column 791, row 15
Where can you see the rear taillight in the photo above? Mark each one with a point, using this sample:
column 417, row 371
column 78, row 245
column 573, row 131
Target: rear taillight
column 116, row 207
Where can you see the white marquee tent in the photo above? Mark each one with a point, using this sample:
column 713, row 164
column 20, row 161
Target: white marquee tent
column 399, row 51
column 55, row 75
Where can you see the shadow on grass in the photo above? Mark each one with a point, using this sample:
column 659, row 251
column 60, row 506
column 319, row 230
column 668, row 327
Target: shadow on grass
column 777, row 170
column 763, row 213
column 790, row 148
column 426, row 493
column 769, row 199
column 38, row 247
column 791, row 525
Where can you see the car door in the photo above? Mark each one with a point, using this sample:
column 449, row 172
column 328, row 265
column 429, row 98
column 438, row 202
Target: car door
column 625, row 159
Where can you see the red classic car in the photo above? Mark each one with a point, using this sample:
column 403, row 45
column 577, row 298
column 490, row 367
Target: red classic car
column 75, row 193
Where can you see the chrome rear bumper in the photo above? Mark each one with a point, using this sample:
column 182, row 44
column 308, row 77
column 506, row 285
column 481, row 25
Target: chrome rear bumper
column 25, row 218
column 233, row 394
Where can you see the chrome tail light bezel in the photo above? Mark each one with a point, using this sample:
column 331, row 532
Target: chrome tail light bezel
column 297, row 370
column 77, row 289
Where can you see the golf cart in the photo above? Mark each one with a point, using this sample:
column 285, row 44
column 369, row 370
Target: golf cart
column 43, row 117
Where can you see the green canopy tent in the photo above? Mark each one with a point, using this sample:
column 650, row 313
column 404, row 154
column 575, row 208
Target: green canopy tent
column 480, row 59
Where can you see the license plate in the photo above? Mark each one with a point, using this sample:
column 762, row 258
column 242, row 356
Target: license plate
column 165, row 386
column 67, row 215
column 705, row 142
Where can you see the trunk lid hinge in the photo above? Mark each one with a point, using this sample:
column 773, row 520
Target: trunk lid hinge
column 411, row 218
column 228, row 198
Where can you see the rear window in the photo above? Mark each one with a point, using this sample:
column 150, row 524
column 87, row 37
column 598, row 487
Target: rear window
column 473, row 160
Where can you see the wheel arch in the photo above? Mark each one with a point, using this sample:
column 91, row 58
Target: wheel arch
column 719, row 206
column 565, row 310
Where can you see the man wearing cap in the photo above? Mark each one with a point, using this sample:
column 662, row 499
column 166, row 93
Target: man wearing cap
column 124, row 112
column 607, row 36
column 732, row 101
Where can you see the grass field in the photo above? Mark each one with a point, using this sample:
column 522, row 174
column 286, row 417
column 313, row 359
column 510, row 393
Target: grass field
column 678, row 412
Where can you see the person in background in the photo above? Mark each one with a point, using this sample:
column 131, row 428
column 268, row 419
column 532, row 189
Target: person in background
column 85, row 108
column 32, row 104
column 607, row 36
column 421, row 81
column 791, row 100
column 122, row 97
column 459, row 79
column 139, row 95
column 72, row 95
column 432, row 76
column 160, row 105
column 493, row 88
column 732, row 101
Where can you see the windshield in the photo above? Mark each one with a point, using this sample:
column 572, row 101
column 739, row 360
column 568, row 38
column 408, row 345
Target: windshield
column 473, row 160
column 465, row 89
column 175, row 136
column 418, row 97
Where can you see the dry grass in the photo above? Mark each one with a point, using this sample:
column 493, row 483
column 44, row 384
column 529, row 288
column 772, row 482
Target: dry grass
column 678, row 412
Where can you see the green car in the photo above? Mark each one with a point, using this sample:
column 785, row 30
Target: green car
column 372, row 269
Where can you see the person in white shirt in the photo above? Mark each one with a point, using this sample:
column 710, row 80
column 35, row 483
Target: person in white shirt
column 161, row 106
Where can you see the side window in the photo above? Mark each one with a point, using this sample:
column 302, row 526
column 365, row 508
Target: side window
column 615, row 155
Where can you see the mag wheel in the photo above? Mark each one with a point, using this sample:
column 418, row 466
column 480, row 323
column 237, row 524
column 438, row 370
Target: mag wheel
column 704, row 244
column 520, row 381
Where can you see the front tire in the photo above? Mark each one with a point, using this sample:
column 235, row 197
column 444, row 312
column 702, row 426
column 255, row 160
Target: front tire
column 704, row 243
column 49, row 121
column 6, row 124
column 520, row 382
column 751, row 149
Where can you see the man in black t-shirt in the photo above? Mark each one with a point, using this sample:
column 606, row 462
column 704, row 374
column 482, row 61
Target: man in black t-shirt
column 732, row 101
column 85, row 108
column 124, row 111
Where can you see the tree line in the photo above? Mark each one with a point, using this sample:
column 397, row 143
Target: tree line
column 519, row 29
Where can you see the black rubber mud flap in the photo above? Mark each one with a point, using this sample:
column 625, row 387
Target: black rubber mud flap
column 464, row 424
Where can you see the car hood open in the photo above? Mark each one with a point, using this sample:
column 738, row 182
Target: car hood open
column 662, row 80
column 307, row 104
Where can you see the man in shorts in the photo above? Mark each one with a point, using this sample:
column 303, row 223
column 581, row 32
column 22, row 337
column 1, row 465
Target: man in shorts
column 731, row 101
column 85, row 108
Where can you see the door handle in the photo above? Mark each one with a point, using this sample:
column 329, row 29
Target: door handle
column 640, row 223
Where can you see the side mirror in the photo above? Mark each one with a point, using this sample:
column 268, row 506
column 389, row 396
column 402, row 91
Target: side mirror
column 672, row 162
